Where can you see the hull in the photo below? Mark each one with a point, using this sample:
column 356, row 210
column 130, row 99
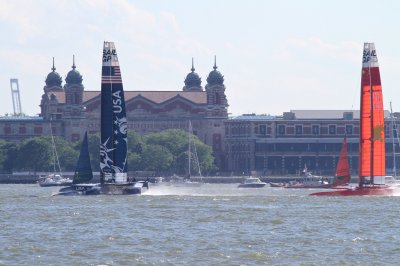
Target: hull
column 277, row 184
column 48, row 182
column 364, row 191
column 258, row 185
column 308, row 186
column 128, row 188
column 80, row 189
column 300, row 185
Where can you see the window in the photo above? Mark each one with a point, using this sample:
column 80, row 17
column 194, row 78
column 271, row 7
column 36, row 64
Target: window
column 349, row 129
column 394, row 131
column 37, row 130
column 315, row 129
column 299, row 129
column 281, row 130
column 387, row 130
column 263, row 129
column 332, row 129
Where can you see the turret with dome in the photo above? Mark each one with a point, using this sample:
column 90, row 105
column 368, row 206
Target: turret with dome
column 73, row 86
column 73, row 76
column 192, row 81
column 215, row 89
column 215, row 77
column 53, row 80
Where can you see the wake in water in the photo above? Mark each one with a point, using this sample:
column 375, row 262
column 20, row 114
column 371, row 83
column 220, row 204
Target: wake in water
column 166, row 189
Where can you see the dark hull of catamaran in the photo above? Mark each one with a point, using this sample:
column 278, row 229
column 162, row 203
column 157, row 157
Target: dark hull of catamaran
column 129, row 188
column 80, row 189
column 364, row 191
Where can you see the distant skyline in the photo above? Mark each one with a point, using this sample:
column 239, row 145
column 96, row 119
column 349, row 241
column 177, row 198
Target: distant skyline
column 275, row 56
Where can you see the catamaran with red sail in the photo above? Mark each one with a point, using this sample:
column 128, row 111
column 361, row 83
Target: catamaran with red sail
column 372, row 168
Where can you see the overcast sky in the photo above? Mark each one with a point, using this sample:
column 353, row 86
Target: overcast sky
column 275, row 56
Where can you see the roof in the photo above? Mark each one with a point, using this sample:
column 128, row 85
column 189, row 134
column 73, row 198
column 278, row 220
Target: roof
column 20, row 118
column 199, row 97
column 253, row 117
column 328, row 114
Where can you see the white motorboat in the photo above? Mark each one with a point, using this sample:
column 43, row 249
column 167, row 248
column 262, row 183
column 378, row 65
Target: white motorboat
column 252, row 182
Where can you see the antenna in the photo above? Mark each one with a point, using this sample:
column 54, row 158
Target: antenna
column 16, row 99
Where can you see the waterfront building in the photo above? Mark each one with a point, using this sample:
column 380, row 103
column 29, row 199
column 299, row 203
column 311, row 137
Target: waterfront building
column 281, row 145
column 69, row 110
column 265, row 144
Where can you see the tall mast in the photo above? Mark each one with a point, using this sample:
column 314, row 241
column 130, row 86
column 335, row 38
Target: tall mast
column 371, row 154
column 189, row 152
column 394, row 133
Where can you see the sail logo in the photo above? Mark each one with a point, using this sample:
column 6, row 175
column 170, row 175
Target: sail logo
column 378, row 133
column 105, row 160
column 122, row 125
column 108, row 54
column 367, row 54
column 117, row 102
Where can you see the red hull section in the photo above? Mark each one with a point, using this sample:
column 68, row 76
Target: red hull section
column 305, row 186
column 365, row 191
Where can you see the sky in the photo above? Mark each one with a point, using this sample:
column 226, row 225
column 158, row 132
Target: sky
column 275, row 56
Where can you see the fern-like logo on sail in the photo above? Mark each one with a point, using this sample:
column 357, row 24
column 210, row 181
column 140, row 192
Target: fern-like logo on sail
column 378, row 133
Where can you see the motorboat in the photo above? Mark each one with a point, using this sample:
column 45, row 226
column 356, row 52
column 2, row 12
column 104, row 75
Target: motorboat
column 54, row 180
column 252, row 182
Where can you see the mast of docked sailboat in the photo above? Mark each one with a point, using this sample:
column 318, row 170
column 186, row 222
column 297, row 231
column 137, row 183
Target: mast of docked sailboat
column 55, row 154
column 394, row 135
column 189, row 151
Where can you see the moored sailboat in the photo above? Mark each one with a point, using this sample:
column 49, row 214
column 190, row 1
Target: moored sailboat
column 114, row 140
column 372, row 168
column 55, row 178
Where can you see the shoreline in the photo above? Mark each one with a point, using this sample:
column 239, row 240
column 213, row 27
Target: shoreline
column 32, row 179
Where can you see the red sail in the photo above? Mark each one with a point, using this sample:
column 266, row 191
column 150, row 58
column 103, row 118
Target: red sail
column 342, row 175
column 372, row 133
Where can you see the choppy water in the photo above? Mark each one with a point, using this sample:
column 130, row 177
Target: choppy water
column 208, row 225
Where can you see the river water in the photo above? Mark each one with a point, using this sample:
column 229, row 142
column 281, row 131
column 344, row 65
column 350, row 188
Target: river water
column 214, row 224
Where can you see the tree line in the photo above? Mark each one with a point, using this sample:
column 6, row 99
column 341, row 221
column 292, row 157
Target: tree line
column 164, row 152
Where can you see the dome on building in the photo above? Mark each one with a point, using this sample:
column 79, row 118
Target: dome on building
column 73, row 76
column 53, row 78
column 215, row 77
column 192, row 79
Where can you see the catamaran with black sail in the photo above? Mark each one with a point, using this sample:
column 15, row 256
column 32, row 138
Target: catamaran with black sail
column 83, row 174
column 114, row 140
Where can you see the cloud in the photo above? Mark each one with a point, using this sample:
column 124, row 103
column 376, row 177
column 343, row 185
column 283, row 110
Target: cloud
column 23, row 20
column 315, row 47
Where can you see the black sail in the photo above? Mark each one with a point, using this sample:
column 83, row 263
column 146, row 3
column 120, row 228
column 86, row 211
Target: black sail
column 113, row 147
column 83, row 171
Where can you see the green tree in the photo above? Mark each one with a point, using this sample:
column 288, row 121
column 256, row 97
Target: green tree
column 135, row 142
column 67, row 153
column 11, row 153
column 177, row 143
column 134, row 161
column 3, row 155
column 35, row 154
column 94, row 151
column 156, row 158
